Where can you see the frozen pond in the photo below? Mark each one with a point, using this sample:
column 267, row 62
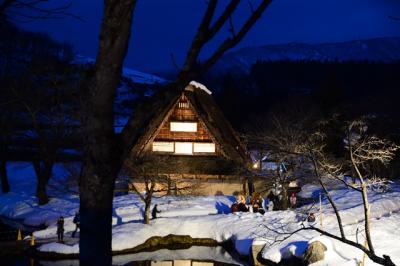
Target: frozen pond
column 194, row 256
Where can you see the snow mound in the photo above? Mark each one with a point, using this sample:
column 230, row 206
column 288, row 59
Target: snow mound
column 310, row 191
column 59, row 248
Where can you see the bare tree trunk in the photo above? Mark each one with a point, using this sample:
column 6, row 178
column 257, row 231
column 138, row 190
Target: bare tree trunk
column 5, row 186
column 244, row 186
column 41, row 192
column 147, row 210
column 169, row 185
column 367, row 213
column 102, row 160
column 250, row 184
column 96, row 197
column 103, row 151
column 328, row 195
column 150, row 184
column 285, row 201
column 43, row 170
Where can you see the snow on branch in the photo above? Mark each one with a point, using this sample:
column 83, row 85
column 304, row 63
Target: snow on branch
column 368, row 148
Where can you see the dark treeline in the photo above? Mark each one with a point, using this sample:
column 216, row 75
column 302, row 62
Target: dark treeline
column 39, row 107
column 40, row 103
column 352, row 88
column 318, row 90
column 20, row 47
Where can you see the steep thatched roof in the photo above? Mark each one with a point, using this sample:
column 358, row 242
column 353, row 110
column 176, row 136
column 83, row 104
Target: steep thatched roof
column 149, row 117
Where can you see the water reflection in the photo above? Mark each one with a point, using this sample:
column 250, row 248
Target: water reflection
column 194, row 256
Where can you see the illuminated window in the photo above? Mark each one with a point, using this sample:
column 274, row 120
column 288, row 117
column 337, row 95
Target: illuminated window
column 204, row 147
column 163, row 146
column 183, row 105
column 183, row 147
column 183, row 126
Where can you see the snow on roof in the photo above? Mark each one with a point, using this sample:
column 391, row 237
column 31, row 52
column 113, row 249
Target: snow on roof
column 200, row 86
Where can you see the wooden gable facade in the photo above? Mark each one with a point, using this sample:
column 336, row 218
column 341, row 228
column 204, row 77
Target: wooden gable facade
column 183, row 132
column 194, row 140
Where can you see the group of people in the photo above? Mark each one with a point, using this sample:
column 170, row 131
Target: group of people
column 256, row 203
column 60, row 227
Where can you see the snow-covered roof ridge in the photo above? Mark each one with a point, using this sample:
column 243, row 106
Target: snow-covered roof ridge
column 200, row 86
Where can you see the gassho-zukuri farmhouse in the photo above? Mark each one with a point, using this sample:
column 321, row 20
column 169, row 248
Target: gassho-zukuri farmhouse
column 185, row 141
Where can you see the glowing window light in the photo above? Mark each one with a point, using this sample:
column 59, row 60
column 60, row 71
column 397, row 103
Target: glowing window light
column 183, row 126
column 183, row 105
column 204, row 147
column 163, row 146
column 183, row 147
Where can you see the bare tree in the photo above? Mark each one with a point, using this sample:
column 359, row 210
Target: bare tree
column 104, row 150
column 49, row 119
column 28, row 10
column 8, row 126
column 102, row 156
column 150, row 179
column 149, row 169
column 5, row 133
column 278, row 134
column 207, row 31
column 363, row 149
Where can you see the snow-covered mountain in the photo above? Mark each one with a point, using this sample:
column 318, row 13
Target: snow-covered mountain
column 135, row 76
column 133, row 86
column 377, row 50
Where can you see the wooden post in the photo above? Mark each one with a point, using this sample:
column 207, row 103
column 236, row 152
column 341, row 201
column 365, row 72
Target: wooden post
column 32, row 240
column 365, row 255
column 320, row 212
column 19, row 235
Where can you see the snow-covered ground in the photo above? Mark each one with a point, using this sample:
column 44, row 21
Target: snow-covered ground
column 209, row 217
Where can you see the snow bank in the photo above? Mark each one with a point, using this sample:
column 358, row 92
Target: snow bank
column 60, row 248
column 310, row 191
column 208, row 217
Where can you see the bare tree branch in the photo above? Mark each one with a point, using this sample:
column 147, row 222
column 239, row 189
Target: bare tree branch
column 25, row 10
column 384, row 260
column 199, row 40
column 231, row 42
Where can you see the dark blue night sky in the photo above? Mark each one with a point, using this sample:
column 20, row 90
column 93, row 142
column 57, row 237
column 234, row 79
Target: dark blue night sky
column 163, row 28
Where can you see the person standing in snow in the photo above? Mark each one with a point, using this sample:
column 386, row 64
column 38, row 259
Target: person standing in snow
column 60, row 229
column 77, row 222
column 293, row 200
column 240, row 204
column 311, row 218
column 257, row 202
column 271, row 206
column 154, row 212
column 265, row 203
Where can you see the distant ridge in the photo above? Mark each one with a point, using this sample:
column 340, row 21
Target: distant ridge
column 375, row 50
column 135, row 76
